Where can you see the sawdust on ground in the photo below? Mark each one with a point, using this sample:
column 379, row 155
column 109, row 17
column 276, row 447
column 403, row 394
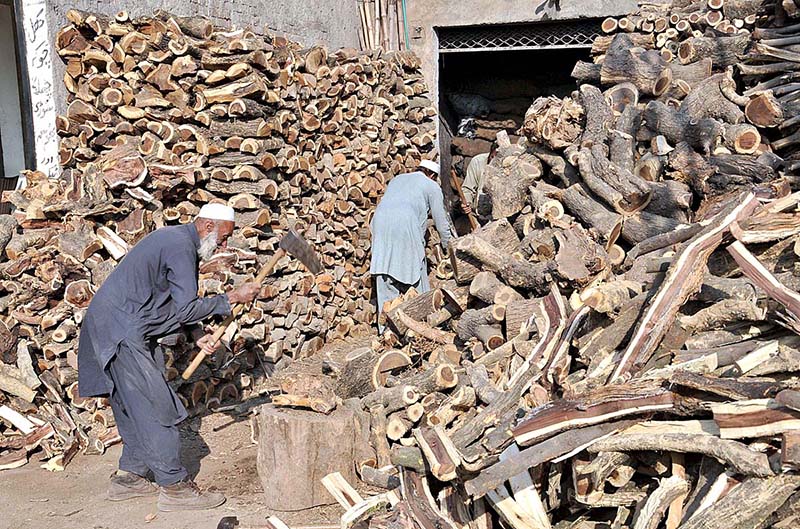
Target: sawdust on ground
column 225, row 460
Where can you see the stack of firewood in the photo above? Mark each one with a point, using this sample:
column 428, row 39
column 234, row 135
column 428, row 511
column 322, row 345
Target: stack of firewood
column 618, row 346
column 166, row 114
column 665, row 25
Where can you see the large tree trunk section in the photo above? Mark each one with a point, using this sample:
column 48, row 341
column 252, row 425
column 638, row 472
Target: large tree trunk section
column 622, row 190
column 599, row 118
column 500, row 234
column 714, row 98
column 417, row 308
column 507, row 185
column 703, row 134
column 623, row 138
column 640, row 40
column 742, row 138
column 670, row 199
column 366, row 370
column 297, row 449
column 519, row 312
column 693, row 73
column 586, row 72
column 740, row 9
column 578, row 201
column 691, row 168
column 555, row 123
column 486, row 287
column 723, row 51
column 644, row 68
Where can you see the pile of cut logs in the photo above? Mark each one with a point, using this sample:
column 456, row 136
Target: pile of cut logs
column 166, row 114
column 618, row 346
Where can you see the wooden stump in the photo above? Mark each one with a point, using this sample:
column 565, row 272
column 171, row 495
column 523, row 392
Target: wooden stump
column 298, row 448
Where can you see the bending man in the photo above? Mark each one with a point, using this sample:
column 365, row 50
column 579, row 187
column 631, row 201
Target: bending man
column 151, row 294
column 473, row 182
column 398, row 232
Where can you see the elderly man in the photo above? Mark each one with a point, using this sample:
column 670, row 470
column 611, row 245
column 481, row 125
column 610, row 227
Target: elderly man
column 398, row 232
column 151, row 294
column 473, row 182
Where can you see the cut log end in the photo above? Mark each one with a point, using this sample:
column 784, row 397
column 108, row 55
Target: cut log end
column 764, row 110
column 663, row 82
column 609, row 25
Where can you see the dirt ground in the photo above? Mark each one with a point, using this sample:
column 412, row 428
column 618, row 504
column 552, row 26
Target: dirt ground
column 32, row 498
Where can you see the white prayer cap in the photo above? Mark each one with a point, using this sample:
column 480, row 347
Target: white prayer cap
column 430, row 164
column 216, row 211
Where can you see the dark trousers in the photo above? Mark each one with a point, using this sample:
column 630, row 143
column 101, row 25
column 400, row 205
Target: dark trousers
column 147, row 413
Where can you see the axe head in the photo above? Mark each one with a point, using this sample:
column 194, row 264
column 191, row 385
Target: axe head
column 228, row 522
column 293, row 244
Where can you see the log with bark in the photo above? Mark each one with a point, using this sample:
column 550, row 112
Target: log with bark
column 171, row 113
column 600, row 315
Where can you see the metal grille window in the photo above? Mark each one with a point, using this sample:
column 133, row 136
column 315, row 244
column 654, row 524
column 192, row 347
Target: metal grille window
column 565, row 34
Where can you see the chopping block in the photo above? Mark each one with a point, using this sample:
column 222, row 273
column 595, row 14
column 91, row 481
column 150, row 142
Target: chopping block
column 297, row 448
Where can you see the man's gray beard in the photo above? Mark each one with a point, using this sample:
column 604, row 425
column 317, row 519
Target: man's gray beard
column 208, row 245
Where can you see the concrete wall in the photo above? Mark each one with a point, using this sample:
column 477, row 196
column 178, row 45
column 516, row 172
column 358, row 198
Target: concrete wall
column 10, row 120
column 332, row 22
column 424, row 16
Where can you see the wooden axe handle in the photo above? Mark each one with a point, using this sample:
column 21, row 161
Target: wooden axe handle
column 455, row 184
column 262, row 275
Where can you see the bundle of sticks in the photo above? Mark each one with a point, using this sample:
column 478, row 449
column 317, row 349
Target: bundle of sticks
column 618, row 346
column 166, row 114
column 383, row 25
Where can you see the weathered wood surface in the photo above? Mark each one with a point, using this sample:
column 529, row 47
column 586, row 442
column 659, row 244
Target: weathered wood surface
column 296, row 449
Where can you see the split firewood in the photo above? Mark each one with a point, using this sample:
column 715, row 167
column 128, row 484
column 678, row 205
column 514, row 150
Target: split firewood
column 682, row 280
column 442, row 456
column 655, row 508
column 601, row 320
column 751, row 503
column 735, row 454
column 611, row 402
column 761, row 277
column 215, row 122
column 341, row 490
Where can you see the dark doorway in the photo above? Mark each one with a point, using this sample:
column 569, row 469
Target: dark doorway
column 484, row 92
column 496, row 88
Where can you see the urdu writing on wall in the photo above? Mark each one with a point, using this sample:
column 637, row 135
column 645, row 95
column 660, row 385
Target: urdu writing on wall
column 39, row 61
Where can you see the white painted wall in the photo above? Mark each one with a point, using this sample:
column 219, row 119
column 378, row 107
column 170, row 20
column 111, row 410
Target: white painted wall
column 10, row 118
column 39, row 59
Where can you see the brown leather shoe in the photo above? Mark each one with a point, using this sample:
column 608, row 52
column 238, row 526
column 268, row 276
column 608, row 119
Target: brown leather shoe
column 187, row 496
column 126, row 486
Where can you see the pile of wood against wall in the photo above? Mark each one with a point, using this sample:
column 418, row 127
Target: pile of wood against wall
column 167, row 114
column 618, row 347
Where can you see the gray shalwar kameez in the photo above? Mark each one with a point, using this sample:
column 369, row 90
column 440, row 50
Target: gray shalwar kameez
column 398, row 234
column 151, row 294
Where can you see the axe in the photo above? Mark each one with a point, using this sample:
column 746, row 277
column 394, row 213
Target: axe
column 456, row 185
column 291, row 243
